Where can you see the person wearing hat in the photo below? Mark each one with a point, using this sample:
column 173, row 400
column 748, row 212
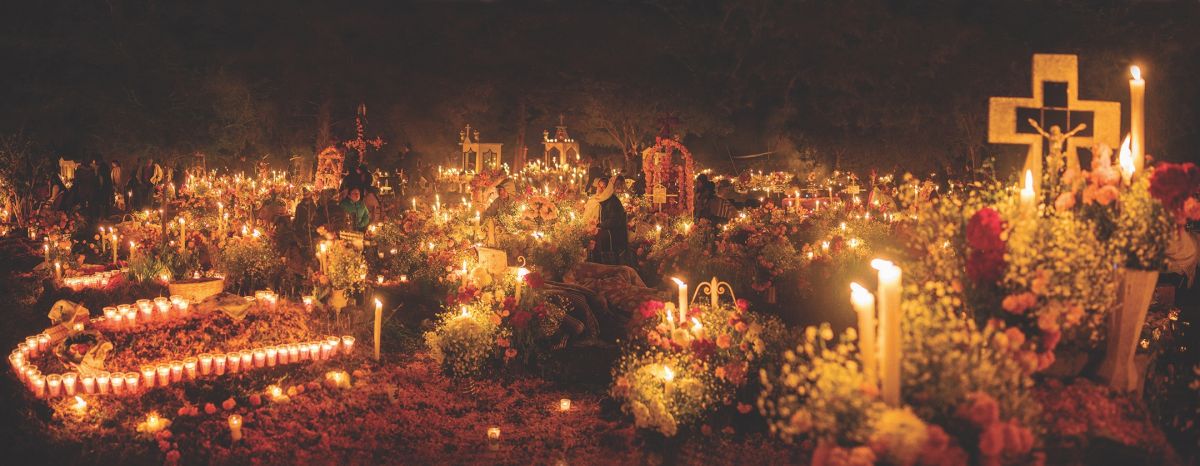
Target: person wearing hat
column 604, row 211
column 504, row 191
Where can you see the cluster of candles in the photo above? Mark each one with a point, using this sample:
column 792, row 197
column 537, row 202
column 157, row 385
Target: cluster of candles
column 166, row 373
column 146, row 310
column 96, row 280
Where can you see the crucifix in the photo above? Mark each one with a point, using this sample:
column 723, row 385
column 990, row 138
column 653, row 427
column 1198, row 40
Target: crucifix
column 360, row 143
column 1055, row 103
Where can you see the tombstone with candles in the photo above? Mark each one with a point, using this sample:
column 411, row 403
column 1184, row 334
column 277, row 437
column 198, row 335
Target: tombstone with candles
column 670, row 176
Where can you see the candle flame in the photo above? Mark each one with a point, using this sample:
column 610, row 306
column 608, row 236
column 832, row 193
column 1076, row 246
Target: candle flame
column 668, row 374
column 881, row 264
column 1136, row 71
column 378, row 304
column 235, row 421
column 1126, row 158
column 464, row 313
column 696, row 324
column 521, row 273
column 679, row 282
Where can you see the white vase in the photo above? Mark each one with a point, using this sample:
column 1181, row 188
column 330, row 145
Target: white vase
column 1125, row 327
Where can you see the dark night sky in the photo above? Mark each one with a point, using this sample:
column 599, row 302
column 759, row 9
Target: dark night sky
column 858, row 82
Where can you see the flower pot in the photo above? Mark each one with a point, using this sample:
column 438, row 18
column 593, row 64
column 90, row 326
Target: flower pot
column 196, row 289
column 1125, row 327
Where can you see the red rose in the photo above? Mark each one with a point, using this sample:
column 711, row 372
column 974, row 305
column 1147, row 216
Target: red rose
column 650, row 309
column 986, row 266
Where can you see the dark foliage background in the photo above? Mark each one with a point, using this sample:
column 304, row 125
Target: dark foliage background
column 852, row 83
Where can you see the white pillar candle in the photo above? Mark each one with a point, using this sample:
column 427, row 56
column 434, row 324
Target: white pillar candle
column 1028, row 195
column 682, row 299
column 864, row 305
column 889, row 326
column 379, row 320
column 1137, row 116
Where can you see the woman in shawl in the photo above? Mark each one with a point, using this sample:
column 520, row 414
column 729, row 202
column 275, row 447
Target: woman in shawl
column 604, row 211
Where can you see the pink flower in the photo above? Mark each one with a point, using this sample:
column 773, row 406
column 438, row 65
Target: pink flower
column 1065, row 201
column 980, row 409
column 1106, row 176
column 1016, row 337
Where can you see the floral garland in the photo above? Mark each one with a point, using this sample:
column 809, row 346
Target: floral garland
column 665, row 169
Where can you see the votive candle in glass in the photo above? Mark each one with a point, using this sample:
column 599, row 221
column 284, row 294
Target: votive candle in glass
column 177, row 302
column 493, row 433
column 335, row 343
column 145, row 306
column 176, row 371
column 102, row 383
column 272, row 355
column 43, row 342
column 302, row 348
column 293, row 353
column 131, row 383
column 205, row 364
column 326, row 350
column 233, row 362
column 189, row 368
column 110, row 312
column 314, row 351
column 164, row 374
column 162, row 304
column 54, row 385
column 247, row 360
column 148, row 377
column 89, row 384
column 219, row 364
column 118, row 383
column 68, row 381
column 31, row 346
column 260, row 357
column 39, row 385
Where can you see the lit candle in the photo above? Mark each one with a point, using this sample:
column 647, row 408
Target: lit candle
column 164, row 374
column 235, row 427
column 347, row 344
column 1028, row 202
column 176, row 371
column 89, row 384
column 182, row 233
column 1137, row 116
column 521, row 273
column 54, row 383
column 117, row 381
column 682, row 299
column 564, row 405
column 888, row 298
column 189, row 368
column 260, row 357
column 247, row 358
column 153, row 423
column 46, row 250
column 378, row 325
column 219, row 363
column 294, row 352
column 80, row 405
column 114, row 247
column 1126, row 161
column 57, row 270
column 68, row 381
column 131, row 382
column 272, row 355
column 864, row 305
column 493, row 434
column 103, row 382
column 39, row 386
column 43, row 342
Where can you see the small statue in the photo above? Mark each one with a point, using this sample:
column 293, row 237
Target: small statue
column 1056, row 138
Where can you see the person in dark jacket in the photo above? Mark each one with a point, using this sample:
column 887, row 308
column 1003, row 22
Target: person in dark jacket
column 611, row 243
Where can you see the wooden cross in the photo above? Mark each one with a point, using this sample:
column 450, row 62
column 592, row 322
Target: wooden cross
column 1055, row 101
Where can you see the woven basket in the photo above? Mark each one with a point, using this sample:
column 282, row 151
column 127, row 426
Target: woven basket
column 196, row 291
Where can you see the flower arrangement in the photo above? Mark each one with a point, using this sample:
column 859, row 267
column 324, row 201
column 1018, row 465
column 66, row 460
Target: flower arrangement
column 346, row 267
column 464, row 339
column 664, row 391
column 248, row 262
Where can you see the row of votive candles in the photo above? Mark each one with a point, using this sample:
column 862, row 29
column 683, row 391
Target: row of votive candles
column 99, row 279
column 144, row 310
column 266, row 297
column 164, row 374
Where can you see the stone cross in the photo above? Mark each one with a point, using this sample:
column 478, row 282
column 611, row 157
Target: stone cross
column 1055, row 102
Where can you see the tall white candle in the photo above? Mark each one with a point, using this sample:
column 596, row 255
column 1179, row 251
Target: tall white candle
column 378, row 325
column 889, row 326
column 864, row 305
column 682, row 298
column 521, row 273
column 1137, row 116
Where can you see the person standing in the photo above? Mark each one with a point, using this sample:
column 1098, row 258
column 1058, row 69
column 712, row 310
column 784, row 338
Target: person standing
column 604, row 208
column 356, row 210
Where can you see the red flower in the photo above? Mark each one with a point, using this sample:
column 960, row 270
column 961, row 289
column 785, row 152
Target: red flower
column 520, row 319
column 650, row 309
column 1174, row 183
column 535, row 280
column 986, row 266
column 983, row 230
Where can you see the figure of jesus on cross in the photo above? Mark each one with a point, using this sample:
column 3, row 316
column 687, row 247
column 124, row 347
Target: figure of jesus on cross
column 1055, row 157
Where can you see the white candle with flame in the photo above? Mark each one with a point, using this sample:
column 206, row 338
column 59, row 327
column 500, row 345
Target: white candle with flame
column 1126, row 161
column 378, row 324
column 682, row 299
column 864, row 305
column 1028, row 196
column 1137, row 116
column 889, row 327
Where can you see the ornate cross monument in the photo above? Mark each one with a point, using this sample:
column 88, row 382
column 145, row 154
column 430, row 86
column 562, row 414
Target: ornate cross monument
column 329, row 168
column 1053, row 114
column 561, row 148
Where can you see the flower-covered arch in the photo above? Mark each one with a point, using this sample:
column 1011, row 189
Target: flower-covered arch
column 669, row 181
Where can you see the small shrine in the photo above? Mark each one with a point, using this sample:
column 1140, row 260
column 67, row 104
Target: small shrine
column 329, row 168
column 670, row 175
column 560, row 149
column 478, row 156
